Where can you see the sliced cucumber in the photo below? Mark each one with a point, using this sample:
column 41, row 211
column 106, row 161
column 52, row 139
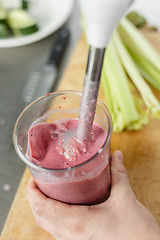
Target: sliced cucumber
column 24, row 4
column 29, row 30
column 21, row 22
column 4, row 32
column 3, row 15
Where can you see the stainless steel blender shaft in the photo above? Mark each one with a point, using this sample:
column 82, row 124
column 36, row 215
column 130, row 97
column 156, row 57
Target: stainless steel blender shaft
column 90, row 93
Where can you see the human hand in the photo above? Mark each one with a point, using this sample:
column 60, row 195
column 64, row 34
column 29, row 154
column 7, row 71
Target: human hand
column 121, row 217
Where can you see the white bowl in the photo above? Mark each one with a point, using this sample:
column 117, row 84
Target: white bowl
column 50, row 15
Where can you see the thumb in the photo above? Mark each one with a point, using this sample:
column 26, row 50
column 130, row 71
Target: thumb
column 120, row 183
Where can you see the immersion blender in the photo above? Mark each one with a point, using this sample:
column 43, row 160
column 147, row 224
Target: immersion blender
column 102, row 17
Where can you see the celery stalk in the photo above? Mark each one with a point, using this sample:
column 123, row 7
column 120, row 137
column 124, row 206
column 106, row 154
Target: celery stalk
column 123, row 109
column 117, row 116
column 148, row 71
column 143, row 113
column 119, row 85
column 115, row 82
column 107, row 90
column 133, row 38
column 129, row 65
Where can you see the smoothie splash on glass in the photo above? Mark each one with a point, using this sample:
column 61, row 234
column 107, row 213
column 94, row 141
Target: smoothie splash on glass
column 64, row 168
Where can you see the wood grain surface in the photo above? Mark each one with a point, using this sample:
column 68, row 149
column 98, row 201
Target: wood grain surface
column 141, row 151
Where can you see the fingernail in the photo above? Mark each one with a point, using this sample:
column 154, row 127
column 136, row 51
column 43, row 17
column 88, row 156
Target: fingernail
column 119, row 155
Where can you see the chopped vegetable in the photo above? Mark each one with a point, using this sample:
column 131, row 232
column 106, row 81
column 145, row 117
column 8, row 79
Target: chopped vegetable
column 125, row 107
column 17, row 21
column 21, row 22
column 133, row 38
column 130, row 60
column 25, row 4
column 130, row 67
column 119, row 84
column 3, row 15
column 138, row 20
column 148, row 71
column 4, row 32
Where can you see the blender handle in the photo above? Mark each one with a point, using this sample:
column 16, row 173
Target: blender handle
column 102, row 17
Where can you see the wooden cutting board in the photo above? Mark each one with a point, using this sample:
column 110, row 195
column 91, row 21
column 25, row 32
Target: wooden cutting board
column 141, row 157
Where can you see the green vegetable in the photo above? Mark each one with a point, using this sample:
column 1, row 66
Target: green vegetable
column 148, row 70
column 4, row 32
column 21, row 22
column 119, row 84
column 138, row 20
column 16, row 21
column 135, row 41
column 125, row 107
column 130, row 60
column 25, row 4
column 130, row 67
column 3, row 15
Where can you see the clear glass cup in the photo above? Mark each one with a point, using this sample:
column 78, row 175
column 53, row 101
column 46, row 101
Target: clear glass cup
column 86, row 183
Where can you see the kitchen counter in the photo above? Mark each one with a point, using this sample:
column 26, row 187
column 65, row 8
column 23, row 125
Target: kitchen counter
column 15, row 66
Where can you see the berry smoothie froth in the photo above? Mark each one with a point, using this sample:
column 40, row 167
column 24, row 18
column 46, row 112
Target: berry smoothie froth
column 53, row 145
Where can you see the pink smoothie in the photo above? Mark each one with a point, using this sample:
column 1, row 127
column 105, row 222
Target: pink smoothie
column 80, row 180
